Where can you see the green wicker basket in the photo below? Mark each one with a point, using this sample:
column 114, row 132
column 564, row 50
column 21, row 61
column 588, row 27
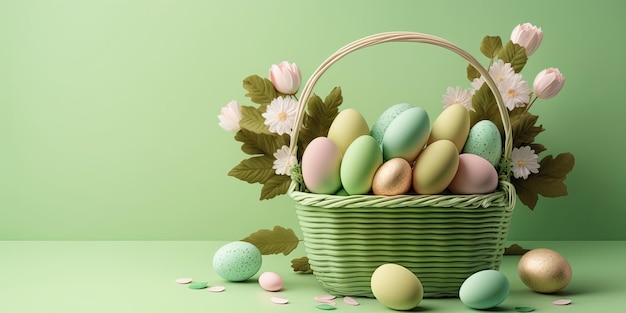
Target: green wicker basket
column 443, row 239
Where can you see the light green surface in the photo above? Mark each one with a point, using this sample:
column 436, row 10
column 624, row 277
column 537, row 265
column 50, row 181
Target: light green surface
column 121, row 277
column 108, row 109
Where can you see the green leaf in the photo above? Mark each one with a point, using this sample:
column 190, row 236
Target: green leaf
column 514, row 54
column 549, row 182
column 319, row 115
column 301, row 265
column 260, row 90
column 254, row 143
column 275, row 186
column 472, row 72
column 524, row 130
column 490, row 46
column 275, row 241
column 485, row 108
column 254, row 170
column 252, row 120
column 515, row 249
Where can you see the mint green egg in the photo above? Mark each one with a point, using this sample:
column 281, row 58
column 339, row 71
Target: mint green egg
column 237, row 261
column 406, row 135
column 484, row 289
column 484, row 140
column 383, row 121
column 359, row 164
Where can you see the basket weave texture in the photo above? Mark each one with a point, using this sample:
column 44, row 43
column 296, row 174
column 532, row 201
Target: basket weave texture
column 442, row 239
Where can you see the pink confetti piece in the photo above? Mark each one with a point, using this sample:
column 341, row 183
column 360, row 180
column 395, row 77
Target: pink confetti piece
column 217, row 288
column 350, row 301
column 562, row 302
column 183, row 280
column 324, row 298
column 279, row 300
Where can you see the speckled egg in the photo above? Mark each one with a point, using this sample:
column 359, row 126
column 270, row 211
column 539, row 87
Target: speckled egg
column 394, row 177
column 544, row 270
column 237, row 261
column 484, row 289
column 484, row 140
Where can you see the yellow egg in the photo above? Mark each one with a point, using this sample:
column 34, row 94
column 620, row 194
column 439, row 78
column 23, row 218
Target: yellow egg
column 435, row 167
column 452, row 124
column 392, row 178
column 544, row 270
column 396, row 287
column 347, row 126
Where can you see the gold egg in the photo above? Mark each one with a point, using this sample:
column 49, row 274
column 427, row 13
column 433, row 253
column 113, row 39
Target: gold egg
column 544, row 270
column 394, row 177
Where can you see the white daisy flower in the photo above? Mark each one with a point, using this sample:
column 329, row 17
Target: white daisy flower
column 229, row 117
column 501, row 71
column 458, row 95
column 281, row 114
column 524, row 162
column 515, row 92
column 283, row 161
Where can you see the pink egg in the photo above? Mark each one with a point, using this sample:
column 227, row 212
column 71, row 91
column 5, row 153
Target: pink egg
column 475, row 175
column 270, row 281
column 321, row 161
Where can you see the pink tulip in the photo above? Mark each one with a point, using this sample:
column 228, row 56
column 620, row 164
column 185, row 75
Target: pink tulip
column 527, row 36
column 286, row 77
column 548, row 83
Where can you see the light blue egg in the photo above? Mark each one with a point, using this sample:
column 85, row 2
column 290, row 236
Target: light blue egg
column 237, row 261
column 484, row 140
column 484, row 289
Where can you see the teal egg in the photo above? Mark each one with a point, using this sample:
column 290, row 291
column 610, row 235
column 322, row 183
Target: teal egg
column 406, row 135
column 484, row 140
column 359, row 164
column 383, row 121
column 484, row 289
column 237, row 261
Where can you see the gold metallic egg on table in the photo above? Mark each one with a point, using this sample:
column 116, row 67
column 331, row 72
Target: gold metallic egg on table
column 394, row 177
column 544, row 270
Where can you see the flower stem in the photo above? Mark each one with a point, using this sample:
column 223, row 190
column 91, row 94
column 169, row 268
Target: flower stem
column 529, row 105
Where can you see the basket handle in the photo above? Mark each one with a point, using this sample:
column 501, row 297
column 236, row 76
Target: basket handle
column 399, row 37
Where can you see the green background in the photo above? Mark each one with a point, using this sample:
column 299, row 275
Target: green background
column 108, row 109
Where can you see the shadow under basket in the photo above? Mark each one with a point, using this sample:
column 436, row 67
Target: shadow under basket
column 443, row 239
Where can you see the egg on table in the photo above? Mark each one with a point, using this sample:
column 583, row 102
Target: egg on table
column 544, row 270
column 237, row 261
column 484, row 289
column 396, row 287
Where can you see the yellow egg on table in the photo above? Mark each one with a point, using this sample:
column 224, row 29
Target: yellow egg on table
column 396, row 287
column 544, row 270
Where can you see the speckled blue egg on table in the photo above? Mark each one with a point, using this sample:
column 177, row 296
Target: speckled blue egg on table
column 237, row 261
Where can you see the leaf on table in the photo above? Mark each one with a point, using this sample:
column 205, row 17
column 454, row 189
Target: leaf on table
column 274, row 241
column 301, row 265
column 255, row 143
column 514, row 54
column 260, row 90
column 515, row 249
column 549, row 182
column 252, row 120
column 491, row 46
column 275, row 186
column 257, row 169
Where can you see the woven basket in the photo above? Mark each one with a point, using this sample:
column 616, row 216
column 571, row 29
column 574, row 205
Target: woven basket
column 442, row 239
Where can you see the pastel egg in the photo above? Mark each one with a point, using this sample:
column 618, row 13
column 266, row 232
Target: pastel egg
column 396, row 287
column 452, row 124
column 544, row 270
column 435, row 167
column 348, row 125
column 403, row 133
column 392, row 178
column 359, row 164
column 485, row 289
column 270, row 281
column 475, row 175
column 321, row 161
column 237, row 261
column 484, row 140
